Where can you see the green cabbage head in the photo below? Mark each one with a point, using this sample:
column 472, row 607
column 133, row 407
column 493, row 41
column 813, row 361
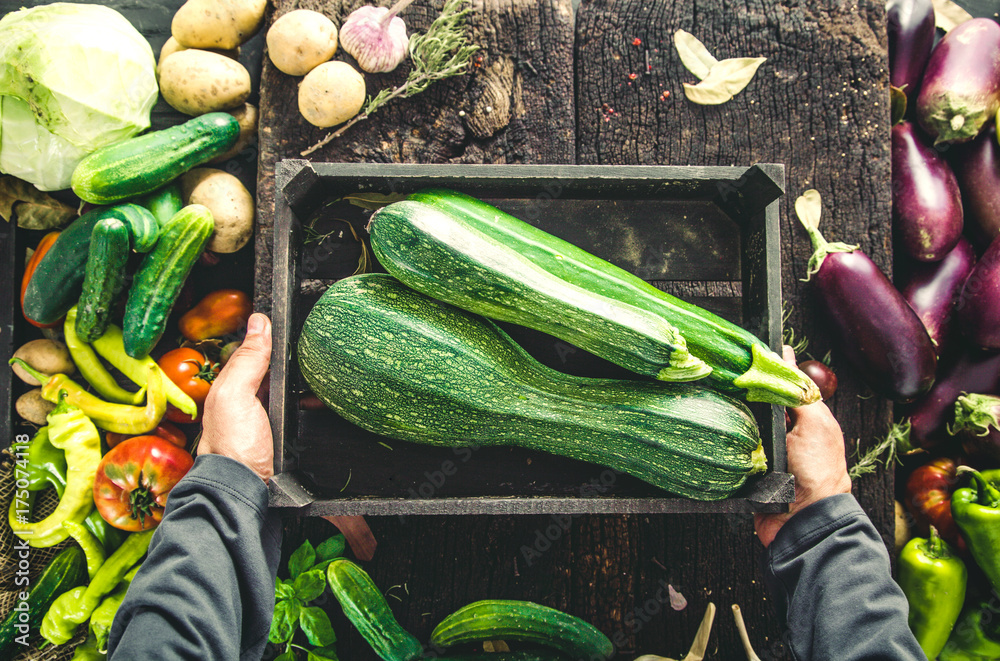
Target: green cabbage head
column 72, row 78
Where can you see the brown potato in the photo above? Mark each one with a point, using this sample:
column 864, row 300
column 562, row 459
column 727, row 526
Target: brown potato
column 230, row 202
column 33, row 408
column 46, row 356
column 300, row 41
column 172, row 46
column 196, row 82
column 217, row 23
column 247, row 117
column 331, row 94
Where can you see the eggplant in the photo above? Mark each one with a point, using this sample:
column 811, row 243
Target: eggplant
column 911, row 37
column 976, row 165
column 973, row 371
column 960, row 89
column 926, row 200
column 872, row 324
column 932, row 289
column 979, row 303
column 977, row 425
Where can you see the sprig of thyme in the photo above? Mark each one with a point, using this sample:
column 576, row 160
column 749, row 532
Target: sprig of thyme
column 441, row 52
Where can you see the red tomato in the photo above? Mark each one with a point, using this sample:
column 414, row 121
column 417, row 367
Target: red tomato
column 192, row 372
column 928, row 498
column 134, row 479
column 222, row 312
column 165, row 430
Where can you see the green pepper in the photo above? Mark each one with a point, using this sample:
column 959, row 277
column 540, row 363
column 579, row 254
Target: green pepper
column 933, row 579
column 111, row 347
column 104, row 615
column 71, row 431
column 119, row 418
column 74, row 607
column 91, row 368
column 93, row 550
column 46, row 464
column 88, row 651
column 976, row 636
column 110, row 537
column 976, row 510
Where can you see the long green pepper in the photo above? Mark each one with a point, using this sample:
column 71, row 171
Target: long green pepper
column 933, row 579
column 976, row 510
column 93, row 371
column 104, row 615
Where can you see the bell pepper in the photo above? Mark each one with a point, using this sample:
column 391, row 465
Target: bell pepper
column 976, row 509
column 976, row 636
column 119, row 418
column 91, row 368
column 93, row 549
column 74, row 607
column 111, row 347
column 928, row 499
column 71, row 431
column 104, row 615
column 933, row 579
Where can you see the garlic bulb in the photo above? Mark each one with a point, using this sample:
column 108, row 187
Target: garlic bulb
column 376, row 37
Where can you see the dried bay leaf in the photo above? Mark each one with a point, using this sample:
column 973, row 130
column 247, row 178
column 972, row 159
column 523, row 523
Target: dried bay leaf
column 374, row 201
column 948, row 15
column 33, row 209
column 726, row 79
column 693, row 54
column 809, row 207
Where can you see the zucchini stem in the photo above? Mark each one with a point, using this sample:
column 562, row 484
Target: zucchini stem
column 771, row 379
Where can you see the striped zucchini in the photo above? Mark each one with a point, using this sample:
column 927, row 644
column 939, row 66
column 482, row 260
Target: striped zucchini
column 441, row 255
column 104, row 277
column 368, row 611
column 523, row 621
column 404, row 365
column 161, row 275
column 740, row 362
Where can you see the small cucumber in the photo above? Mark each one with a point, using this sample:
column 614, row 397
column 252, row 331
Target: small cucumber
column 161, row 275
column 142, row 226
column 163, row 202
column 143, row 164
column 368, row 611
column 104, row 278
column 523, row 621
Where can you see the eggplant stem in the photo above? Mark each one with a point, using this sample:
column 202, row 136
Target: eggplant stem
column 808, row 209
column 975, row 413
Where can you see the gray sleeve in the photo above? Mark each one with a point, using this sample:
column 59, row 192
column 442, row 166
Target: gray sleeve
column 829, row 573
column 206, row 588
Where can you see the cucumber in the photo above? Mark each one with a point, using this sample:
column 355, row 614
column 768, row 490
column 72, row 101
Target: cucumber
column 368, row 611
column 161, row 275
column 401, row 364
column 523, row 621
column 104, row 277
column 143, row 164
column 740, row 362
column 65, row 571
column 55, row 285
column 163, row 202
column 142, row 226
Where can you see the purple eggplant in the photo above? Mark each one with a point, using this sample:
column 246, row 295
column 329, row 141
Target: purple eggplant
column 911, row 37
column 976, row 165
column 977, row 425
column 960, row 89
column 926, row 201
column 979, row 303
column 932, row 289
column 973, row 371
column 872, row 323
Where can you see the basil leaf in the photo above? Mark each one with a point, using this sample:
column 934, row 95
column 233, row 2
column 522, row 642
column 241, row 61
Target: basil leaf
column 310, row 585
column 286, row 615
column 283, row 589
column 326, row 655
column 287, row 655
column 316, row 625
column 302, row 559
column 331, row 548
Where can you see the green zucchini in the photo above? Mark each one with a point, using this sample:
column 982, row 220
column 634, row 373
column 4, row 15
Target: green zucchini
column 161, row 275
column 142, row 227
column 140, row 165
column 65, row 571
column 522, row 621
column 740, row 362
column 163, row 203
column 104, row 277
column 368, row 611
column 407, row 366
column 55, row 285
column 442, row 256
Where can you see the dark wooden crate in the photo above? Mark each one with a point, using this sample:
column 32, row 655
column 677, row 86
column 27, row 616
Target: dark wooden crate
column 709, row 234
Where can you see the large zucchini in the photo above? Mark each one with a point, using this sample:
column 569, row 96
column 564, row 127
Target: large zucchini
column 461, row 253
column 401, row 364
column 523, row 621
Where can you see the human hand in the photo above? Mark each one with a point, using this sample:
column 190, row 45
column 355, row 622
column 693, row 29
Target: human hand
column 816, row 459
column 235, row 423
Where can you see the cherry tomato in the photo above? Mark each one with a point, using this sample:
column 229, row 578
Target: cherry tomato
column 928, row 498
column 222, row 312
column 193, row 373
column 165, row 430
column 822, row 376
column 29, row 270
column 134, row 479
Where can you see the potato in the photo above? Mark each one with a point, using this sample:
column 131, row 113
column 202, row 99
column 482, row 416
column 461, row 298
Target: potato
column 172, row 47
column 229, row 201
column 198, row 81
column 33, row 408
column 46, row 356
column 247, row 117
column 300, row 41
column 331, row 94
column 217, row 23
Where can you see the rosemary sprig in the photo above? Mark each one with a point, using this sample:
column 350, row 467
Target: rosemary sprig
column 441, row 52
column 897, row 439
